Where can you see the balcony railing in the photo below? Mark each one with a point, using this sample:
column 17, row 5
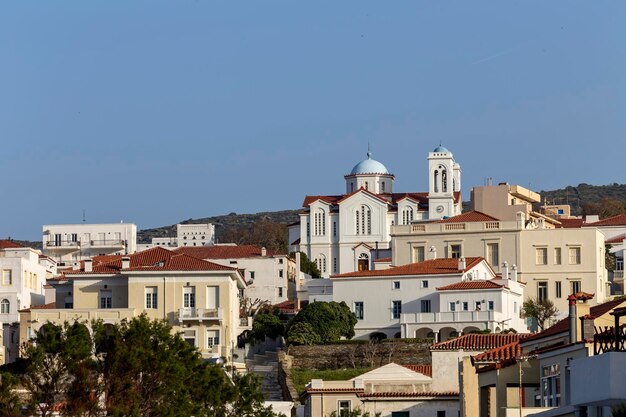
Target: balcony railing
column 107, row 242
column 618, row 274
column 199, row 314
column 448, row 317
column 65, row 244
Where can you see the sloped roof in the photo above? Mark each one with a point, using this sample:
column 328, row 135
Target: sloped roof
column 616, row 239
column 403, row 394
column 393, row 198
column 39, row 307
column 9, row 244
column 478, row 341
column 392, row 372
column 570, row 223
column 471, row 285
column 503, row 353
column 430, row 267
column 619, row 220
column 422, row 369
column 223, row 251
column 468, row 217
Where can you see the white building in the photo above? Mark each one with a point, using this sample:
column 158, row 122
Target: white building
column 22, row 276
column 69, row 244
column 186, row 235
column 436, row 298
column 346, row 232
column 269, row 276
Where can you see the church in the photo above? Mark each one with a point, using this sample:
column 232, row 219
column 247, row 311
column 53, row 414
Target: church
column 349, row 232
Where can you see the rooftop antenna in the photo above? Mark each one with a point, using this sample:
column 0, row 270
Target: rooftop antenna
column 84, row 218
column 369, row 151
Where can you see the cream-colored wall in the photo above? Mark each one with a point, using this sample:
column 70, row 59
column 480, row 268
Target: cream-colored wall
column 469, row 392
column 496, row 201
column 86, row 291
column 446, row 367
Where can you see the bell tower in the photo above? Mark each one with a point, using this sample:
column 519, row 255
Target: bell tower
column 444, row 181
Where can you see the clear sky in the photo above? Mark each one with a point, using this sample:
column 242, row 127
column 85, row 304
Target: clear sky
column 154, row 112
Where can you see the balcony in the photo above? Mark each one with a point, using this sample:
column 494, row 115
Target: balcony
column 199, row 314
column 618, row 275
column 61, row 315
column 451, row 227
column 449, row 317
column 108, row 243
column 62, row 246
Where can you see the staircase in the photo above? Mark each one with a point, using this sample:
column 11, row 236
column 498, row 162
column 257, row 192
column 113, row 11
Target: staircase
column 266, row 366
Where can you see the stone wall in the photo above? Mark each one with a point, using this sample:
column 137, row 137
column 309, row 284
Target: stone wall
column 284, row 377
column 362, row 355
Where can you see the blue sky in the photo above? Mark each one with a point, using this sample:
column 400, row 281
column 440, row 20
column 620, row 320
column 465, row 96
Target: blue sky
column 155, row 112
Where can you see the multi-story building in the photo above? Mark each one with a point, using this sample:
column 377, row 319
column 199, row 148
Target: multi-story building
column 22, row 277
column 191, row 234
column 554, row 262
column 198, row 298
column 436, row 298
column 69, row 244
column 270, row 276
column 346, row 232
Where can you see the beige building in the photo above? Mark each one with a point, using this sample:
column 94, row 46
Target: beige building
column 198, row 298
column 503, row 201
column 553, row 261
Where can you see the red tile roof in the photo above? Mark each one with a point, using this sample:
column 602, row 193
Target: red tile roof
column 392, row 198
column 290, row 306
column 223, row 251
column 505, row 353
column 570, row 223
column 401, row 394
column 153, row 259
column 39, row 307
column 619, row 220
column 479, row 341
column 422, row 369
column 471, row 285
column 430, row 267
column 616, row 239
column 563, row 325
column 9, row 244
column 470, row 216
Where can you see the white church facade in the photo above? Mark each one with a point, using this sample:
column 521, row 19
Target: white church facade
column 348, row 232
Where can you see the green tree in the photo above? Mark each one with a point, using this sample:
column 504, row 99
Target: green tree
column 267, row 322
column 540, row 310
column 303, row 334
column 609, row 258
column 10, row 402
column 330, row 321
column 307, row 266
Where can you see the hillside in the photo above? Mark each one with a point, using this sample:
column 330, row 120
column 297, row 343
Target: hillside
column 577, row 197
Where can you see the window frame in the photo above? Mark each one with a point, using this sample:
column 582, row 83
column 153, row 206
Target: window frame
column 359, row 310
column 396, row 309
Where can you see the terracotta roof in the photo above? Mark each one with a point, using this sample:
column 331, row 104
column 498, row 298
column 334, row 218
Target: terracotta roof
column 430, row 267
column 9, row 244
column 388, row 259
column 331, row 390
column 153, row 259
column 470, row 216
column 422, row 369
column 478, row 341
column 471, row 285
column 290, row 306
column 563, row 325
column 616, row 239
column 392, row 198
column 619, row 220
column 223, row 251
column 39, row 307
column 570, row 223
column 401, row 394
column 503, row 353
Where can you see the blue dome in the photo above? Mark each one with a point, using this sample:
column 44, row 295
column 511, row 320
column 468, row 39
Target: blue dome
column 369, row 166
column 441, row 149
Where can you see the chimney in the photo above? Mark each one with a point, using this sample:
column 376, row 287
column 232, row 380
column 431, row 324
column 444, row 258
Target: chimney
column 432, row 252
column 514, row 272
column 505, row 270
column 572, row 318
column 462, row 264
column 88, row 265
column 125, row 262
column 586, row 327
column 263, row 251
column 582, row 312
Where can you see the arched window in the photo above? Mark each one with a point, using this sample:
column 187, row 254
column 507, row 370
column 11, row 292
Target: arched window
column 320, row 261
column 436, row 180
column 363, row 221
column 5, row 306
column 319, row 224
column 363, row 262
column 444, row 181
column 407, row 215
column 382, row 184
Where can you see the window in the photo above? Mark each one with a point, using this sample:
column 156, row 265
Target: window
column 106, row 299
column 465, row 306
column 396, row 309
column 364, row 221
column 74, row 237
column 574, row 256
column 407, row 215
column 7, row 277
column 308, row 229
column 424, row 283
column 551, row 385
column 477, row 305
column 441, row 413
column 557, row 289
column 334, row 228
column 320, row 223
column 490, row 305
column 575, row 287
column 493, row 255
column 455, row 251
column 425, row 306
column 213, row 338
column 419, row 254
column 334, row 264
column 189, row 297
column 280, row 291
column 320, row 261
column 212, row 297
column 5, row 306
column 452, row 306
column 395, row 285
column 557, row 256
column 151, row 297
column 251, row 274
column 358, row 310
column 366, row 185
column 343, row 407
column 542, row 290
column 541, row 256
column 382, row 185
column 280, row 273
column 400, row 414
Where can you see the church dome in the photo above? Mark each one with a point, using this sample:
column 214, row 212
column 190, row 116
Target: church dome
column 441, row 149
column 369, row 166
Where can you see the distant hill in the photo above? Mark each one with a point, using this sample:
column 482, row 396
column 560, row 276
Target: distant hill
column 583, row 194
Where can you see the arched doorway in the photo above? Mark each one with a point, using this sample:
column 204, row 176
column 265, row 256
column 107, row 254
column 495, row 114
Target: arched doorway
column 424, row 333
column 447, row 333
column 364, row 262
column 378, row 336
